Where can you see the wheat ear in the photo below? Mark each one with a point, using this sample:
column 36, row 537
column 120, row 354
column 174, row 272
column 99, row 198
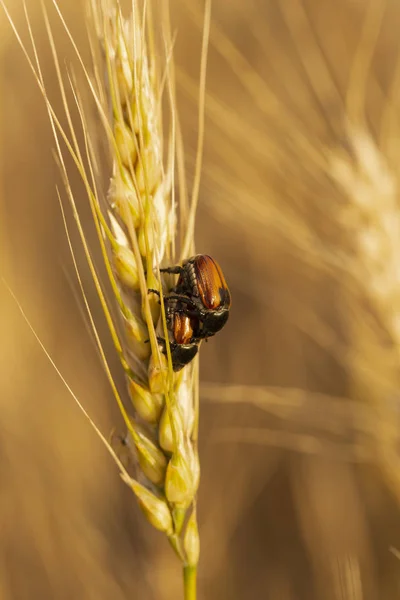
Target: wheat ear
column 136, row 227
column 372, row 220
column 139, row 235
column 163, row 432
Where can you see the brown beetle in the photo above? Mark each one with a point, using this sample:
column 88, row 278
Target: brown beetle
column 183, row 349
column 201, row 294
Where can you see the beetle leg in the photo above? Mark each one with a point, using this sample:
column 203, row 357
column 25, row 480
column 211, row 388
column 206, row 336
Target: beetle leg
column 163, row 343
column 179, row 297
column 195, row 309
column 172, row 270
column 193, row 313
column 151, row 291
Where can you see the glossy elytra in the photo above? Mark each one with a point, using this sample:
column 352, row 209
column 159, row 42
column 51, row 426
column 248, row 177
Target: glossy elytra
column 183, row 348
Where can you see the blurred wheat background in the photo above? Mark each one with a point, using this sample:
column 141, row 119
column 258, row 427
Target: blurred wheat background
column 300, row 490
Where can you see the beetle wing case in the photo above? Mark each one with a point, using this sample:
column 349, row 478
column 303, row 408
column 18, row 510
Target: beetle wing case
column 211, row 283
column 182, row 328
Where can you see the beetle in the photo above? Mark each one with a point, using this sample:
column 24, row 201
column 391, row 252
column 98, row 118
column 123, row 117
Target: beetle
column 201, row 293
column 183, row 348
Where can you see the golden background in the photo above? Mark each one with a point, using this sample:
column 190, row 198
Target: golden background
column 299, row 497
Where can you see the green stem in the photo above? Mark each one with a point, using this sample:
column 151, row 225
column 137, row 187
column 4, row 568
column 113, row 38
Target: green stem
column 189, row 582
column 176, row 544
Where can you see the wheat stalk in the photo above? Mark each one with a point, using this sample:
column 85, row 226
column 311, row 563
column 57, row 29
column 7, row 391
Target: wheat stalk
column 136, row 227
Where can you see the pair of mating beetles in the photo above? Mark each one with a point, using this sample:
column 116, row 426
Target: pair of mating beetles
column 196, row 308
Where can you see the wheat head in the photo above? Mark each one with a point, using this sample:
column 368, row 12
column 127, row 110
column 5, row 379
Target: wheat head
column 138, row 226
